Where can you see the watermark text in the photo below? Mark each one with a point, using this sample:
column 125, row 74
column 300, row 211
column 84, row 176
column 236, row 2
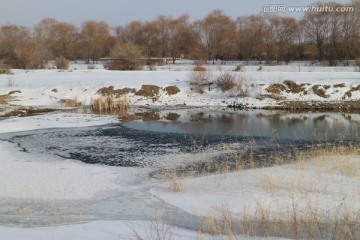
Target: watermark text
column 282, row 8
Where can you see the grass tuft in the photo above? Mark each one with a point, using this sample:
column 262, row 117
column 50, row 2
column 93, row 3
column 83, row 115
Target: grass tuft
column 70, row 102
column 148, row 91
column 318, row 90
column 172, row 90
column 293, row 87
column 110, row 105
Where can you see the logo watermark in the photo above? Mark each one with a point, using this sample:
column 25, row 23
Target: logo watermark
column 282, row 8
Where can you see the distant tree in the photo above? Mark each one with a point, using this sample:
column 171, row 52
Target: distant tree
column 250, row 37
column 182, row 38
column 280, row 35
column 127, row 56
column 58, row 39
column 95, row 40
column 12, row 37
column 217, row 33
column 317, row 25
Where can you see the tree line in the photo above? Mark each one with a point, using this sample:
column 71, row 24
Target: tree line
column 317, row 36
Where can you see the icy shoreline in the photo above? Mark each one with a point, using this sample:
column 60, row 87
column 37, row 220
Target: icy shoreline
column 33, row 177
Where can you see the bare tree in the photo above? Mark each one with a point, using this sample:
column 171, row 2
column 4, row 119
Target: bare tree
column 318, row 29
column 95, row 40
column 127, row 57
column 250, row 42
column 217, row 33
column 182, row 38
column 57, row 38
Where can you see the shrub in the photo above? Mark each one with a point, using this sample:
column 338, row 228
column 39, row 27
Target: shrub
column 4, row 68
column 199, row 79
column 62, row 63
column 128, row 57
column 28, row 56
column 148, row 91
column 226, row 80
column 242, row 87
column 172, row 90
column 113, row 65
column 239, row 68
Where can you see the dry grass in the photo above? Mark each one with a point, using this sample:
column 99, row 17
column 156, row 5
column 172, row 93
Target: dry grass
column 242, row 86
column 110, row 91
column 172, row 90
column 176, row 185
column 290, row 223
column 4, row 99
column 298, row 220
column 239, row 68
column 226, row 80
column 110, row 105
column 172, row 116
column 70, row 102
column 155, row 229
column 318, row 90
column 276, row 88
column 200, row 79
column 293, row 87
column 199, row 69
column 349, row 93
column 340, row 85
column 148, row 91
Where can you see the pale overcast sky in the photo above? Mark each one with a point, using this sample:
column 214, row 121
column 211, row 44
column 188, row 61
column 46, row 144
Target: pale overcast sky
column 120, row 12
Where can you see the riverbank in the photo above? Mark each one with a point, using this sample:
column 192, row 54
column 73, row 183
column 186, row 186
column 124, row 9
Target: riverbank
column 274, row 87
column 45, row 192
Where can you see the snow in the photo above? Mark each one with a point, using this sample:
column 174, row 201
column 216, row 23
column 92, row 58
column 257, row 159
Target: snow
column 37, row 177
column 47, row 87
column 106, row 230
column 325, row 183
column 55, row 120
column 45, row 179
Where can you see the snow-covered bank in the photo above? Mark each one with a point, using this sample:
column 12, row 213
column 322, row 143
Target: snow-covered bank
column 33, row 176
column 54, row 120
column 47, row 87
column 330, row 185
column 110, row 230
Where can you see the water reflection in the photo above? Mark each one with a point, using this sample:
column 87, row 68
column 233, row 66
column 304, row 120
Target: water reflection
column 256, row 123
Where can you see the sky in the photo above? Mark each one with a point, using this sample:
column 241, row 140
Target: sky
column 120, row 12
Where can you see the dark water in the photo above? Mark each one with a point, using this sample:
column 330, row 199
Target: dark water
column 258, row 123
column 143, row 143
